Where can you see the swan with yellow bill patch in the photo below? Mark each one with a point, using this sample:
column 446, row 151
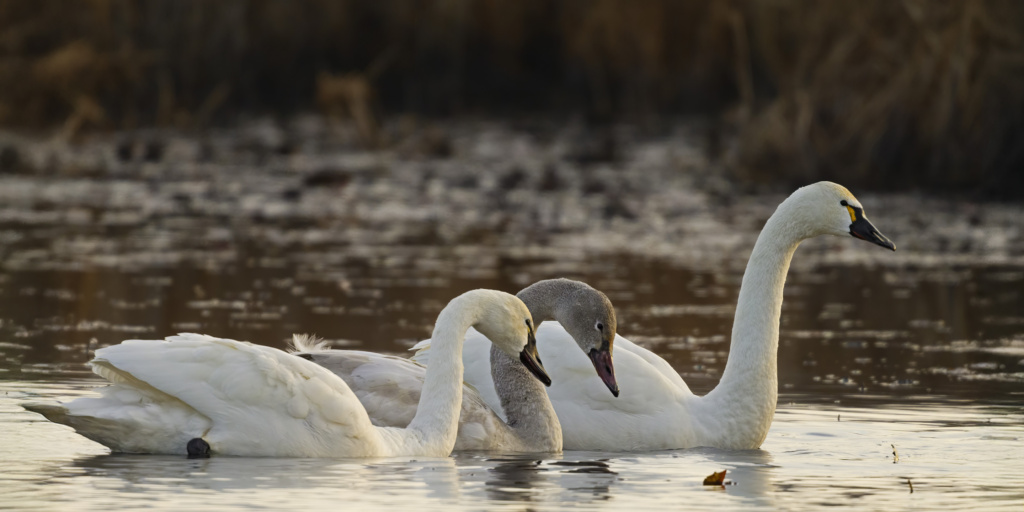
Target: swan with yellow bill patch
column 655, row 409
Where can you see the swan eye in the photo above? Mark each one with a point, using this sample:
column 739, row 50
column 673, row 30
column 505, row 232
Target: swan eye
column 852, row 211
column 600, row 326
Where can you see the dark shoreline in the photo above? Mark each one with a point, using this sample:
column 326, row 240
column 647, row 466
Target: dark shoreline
column 485, row 184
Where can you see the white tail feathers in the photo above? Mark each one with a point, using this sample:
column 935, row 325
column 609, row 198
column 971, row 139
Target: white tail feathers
column 308, row 343
column 422, row 355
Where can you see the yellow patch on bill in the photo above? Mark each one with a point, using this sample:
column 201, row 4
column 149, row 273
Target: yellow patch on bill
column 853, row 214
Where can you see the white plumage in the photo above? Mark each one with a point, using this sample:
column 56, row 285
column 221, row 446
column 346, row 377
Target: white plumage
column 518, row 417
column 245, row 399
column 656, row 410
column 242, row 399
column 389, row 388
column 591, row 418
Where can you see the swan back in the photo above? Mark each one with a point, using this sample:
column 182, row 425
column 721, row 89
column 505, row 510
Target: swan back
column 242, row 399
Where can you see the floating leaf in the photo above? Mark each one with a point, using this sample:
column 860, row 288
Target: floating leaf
column 895, row 456
column 715, row 478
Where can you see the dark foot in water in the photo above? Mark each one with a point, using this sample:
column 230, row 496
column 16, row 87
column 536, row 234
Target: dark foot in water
column 198, row 449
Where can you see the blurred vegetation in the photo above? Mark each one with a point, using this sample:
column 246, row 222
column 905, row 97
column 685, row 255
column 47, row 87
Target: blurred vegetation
column 885, row 93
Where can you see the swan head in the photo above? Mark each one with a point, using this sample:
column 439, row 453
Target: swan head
column 826, row 208
column 507, row 322
column 588, row 316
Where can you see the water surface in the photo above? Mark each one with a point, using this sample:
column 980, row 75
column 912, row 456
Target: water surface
column 921, row 351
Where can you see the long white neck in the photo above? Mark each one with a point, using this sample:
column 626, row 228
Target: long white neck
column 741, row 407
column 436, row 423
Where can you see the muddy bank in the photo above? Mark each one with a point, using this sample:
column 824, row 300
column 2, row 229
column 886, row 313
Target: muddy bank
column 153, row 197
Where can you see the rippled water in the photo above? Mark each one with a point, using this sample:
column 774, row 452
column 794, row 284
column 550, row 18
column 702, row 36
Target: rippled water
column 844, row 330
column 869, row 359
column 952, row 453
column 921, row 352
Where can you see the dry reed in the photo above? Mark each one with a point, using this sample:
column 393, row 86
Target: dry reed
column 883, row 93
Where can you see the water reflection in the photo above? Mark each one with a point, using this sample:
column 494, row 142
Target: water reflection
column 818, row 453
column 750, row 470
column 515, row 479
column 518, row 479
column 532, row 479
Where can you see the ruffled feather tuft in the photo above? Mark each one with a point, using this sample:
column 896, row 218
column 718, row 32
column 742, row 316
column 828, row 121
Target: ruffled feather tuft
column 308, row 344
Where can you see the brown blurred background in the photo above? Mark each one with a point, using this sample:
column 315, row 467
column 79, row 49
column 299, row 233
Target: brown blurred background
column 885, row 94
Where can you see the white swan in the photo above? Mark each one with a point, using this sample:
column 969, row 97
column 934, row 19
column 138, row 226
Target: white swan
column 656, row 409
column 199, row 394
column 389, row 387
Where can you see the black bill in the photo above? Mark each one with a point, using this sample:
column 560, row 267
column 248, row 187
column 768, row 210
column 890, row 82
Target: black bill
column 602, row 360
column 531, row 360
column 863, row 229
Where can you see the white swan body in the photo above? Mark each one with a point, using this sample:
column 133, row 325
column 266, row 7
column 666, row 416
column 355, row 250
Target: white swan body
column 389, row 387
column 243, row 399
column 251, row 400
column 656, row 410
column 592, row 418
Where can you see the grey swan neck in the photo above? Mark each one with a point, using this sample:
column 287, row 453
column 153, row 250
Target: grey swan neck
column 528, row 411
column 743, row 403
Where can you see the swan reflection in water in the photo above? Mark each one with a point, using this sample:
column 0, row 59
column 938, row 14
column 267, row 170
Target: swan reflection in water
column 578, row 477
column 291, row 482
column 584, row 477
column 537, row 480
